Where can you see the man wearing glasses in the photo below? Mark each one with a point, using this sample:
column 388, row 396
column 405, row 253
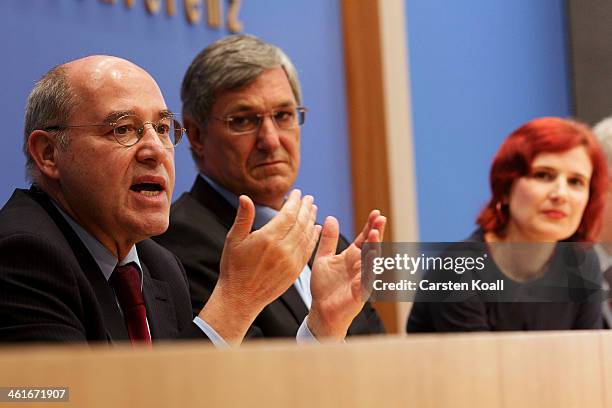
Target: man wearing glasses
column 241, row 106
column 76, row 263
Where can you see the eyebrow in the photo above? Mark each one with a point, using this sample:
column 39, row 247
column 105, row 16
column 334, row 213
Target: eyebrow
column 166, row 113
column 245, row 107
column 580, row 175
column 573, row 173
column 113, row 116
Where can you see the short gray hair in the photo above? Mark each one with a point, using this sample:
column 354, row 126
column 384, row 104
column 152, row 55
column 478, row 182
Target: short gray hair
column 603, row 133
column 50, row 103
column 228, row 64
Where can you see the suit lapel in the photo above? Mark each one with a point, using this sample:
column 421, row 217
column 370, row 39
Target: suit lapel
column 113, row 320
column 206, row 195
column 161, row 313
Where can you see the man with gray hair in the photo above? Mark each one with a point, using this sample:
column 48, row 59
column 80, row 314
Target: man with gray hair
column 242, row 110
column 603, row 133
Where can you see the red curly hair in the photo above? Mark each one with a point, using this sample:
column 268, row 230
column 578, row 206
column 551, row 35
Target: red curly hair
column 514, row 158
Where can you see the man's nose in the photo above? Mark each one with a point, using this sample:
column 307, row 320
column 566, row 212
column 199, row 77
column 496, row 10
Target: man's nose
column 150, row 146
column 268, row 136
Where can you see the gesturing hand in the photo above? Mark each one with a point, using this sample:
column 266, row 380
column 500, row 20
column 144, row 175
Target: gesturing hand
column 257, row 267
column 336, row 279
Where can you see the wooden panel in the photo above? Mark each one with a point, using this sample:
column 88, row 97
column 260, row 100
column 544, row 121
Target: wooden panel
column 605, row 345
column 551, row 369
column 366, row 111
column 452, row 371
column 399, row 132
column 463, row 370
column 367, row 127
column 424, row 371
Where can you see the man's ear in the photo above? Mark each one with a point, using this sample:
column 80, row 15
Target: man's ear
column 194, row 134
column 42, row 148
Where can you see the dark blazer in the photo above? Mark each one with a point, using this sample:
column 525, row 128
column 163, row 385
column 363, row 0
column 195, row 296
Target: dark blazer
column 199, row 222
column 51, row 288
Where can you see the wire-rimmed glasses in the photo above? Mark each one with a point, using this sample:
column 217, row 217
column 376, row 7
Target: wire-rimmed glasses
column 250, row 122
column 129, row 129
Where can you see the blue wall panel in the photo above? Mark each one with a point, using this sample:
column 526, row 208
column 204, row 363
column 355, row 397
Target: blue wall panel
column 478, row 70
column 37, row 35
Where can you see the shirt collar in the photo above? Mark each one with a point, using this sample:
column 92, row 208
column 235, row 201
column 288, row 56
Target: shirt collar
column 263, row 214
column 104, row 258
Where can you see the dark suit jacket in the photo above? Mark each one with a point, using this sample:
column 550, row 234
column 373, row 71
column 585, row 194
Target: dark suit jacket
column 51, row 288
column 199, row 222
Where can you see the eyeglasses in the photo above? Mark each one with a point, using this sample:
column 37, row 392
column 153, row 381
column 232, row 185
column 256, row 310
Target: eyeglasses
column 248, row 122
column 129, row 129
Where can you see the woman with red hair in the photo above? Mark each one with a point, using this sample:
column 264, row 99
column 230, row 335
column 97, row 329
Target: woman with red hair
column 548, row 181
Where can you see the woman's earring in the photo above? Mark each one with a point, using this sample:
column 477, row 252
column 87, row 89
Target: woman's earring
column 500, row 207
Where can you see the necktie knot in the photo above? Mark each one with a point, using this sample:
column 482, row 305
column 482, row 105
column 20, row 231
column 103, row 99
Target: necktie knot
column 125, row 281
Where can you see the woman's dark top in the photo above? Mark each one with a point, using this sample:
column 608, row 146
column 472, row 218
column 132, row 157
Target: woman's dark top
column 572, row 280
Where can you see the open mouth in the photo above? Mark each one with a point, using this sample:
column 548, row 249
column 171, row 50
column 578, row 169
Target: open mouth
column 147, row 189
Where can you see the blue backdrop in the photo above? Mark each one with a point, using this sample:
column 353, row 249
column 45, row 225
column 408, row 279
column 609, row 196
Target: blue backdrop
column 477, row 73
column 478, row 70
column 40, row 34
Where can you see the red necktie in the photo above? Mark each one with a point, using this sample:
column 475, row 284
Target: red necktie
column 125, row 280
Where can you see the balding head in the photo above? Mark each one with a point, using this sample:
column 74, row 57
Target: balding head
column 90, row 74
column 62, row 89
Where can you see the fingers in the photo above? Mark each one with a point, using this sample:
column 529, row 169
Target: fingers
column 372, row 251
column 374, row 219
column 315, row 236
column 294, row 229
column 303, row 229
column 305, row 232
column 294, row 226
column 369, row 223
column 362, row 273
column 379, row 225
column 311, row 236
column 329, row 238
column 282, row 223
column 244, row 220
